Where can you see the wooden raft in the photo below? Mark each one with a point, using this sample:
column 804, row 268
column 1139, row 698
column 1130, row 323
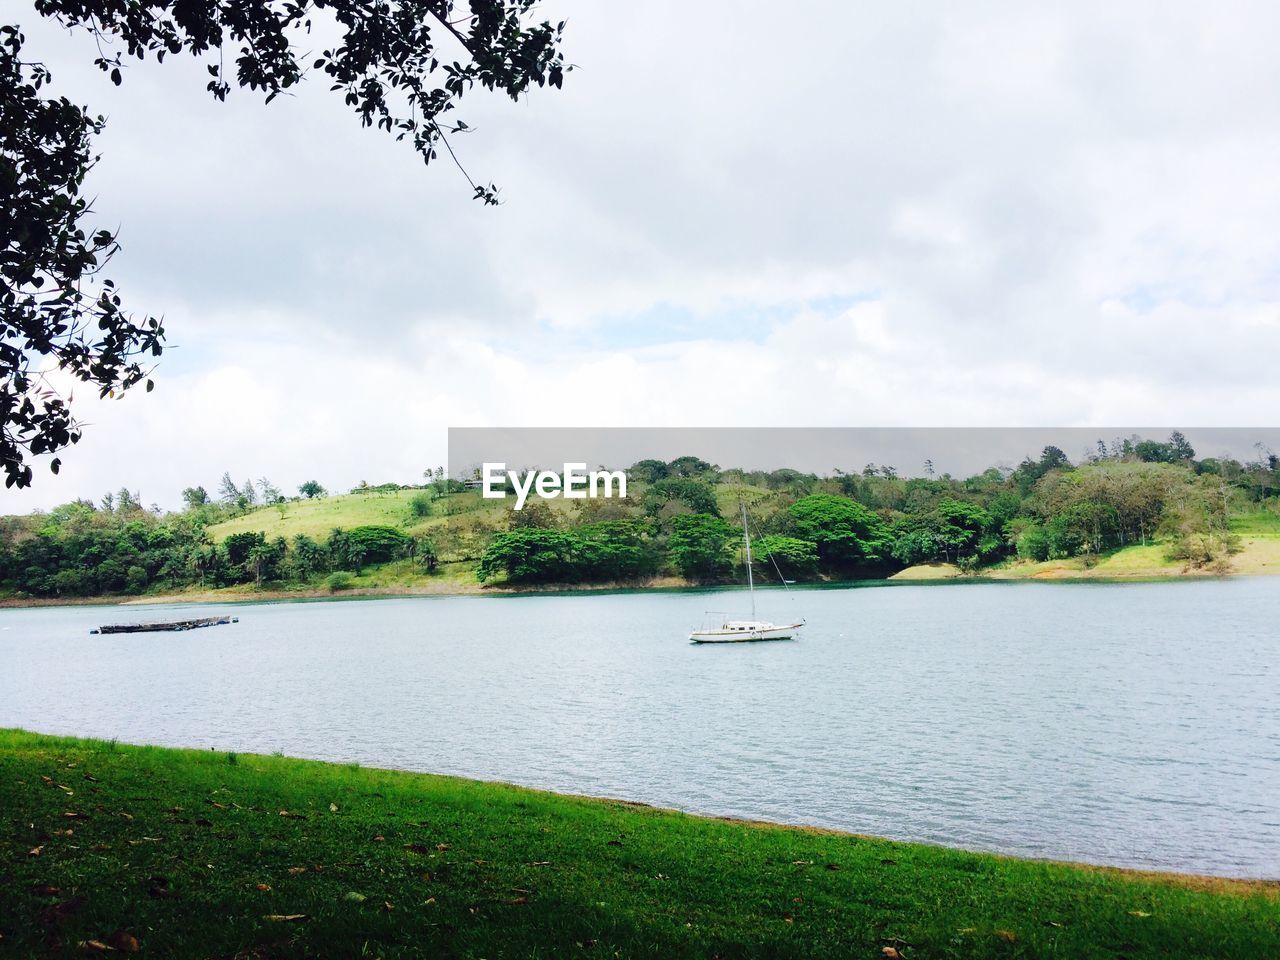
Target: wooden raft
column 173, row 625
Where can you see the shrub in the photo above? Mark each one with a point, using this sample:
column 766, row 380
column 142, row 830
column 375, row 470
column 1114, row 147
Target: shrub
column 420, row 504
column 339, row 580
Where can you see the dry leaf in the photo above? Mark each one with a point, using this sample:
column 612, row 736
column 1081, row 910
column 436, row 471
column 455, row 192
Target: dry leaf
column 95, row 946
column 124, row 942
column 36, row 851
column 1007, row 935
column 45, row 890
column 356, row 897
column 333, row 808
column 1139, row 913
column 284, row 917
column 891, row 953
column 263, row 887
column 296, row 870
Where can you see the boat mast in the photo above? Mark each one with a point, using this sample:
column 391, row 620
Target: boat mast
column 746, row 537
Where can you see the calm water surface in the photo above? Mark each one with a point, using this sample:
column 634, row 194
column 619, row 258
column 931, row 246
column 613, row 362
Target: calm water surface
column 1134, row 724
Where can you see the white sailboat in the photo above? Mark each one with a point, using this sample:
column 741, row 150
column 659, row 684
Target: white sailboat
column 746, row 631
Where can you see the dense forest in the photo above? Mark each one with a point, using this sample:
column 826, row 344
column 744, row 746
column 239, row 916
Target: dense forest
column 679, row 520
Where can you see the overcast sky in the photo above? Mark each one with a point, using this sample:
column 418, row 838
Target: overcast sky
column 735, row 213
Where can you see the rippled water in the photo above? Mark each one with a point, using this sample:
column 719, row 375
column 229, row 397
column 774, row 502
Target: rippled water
column 1134, row 724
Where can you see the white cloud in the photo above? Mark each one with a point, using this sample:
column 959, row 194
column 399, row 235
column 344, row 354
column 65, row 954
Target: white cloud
column 1060, row 214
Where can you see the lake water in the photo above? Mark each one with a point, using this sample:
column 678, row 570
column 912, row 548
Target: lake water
column 1134, row 724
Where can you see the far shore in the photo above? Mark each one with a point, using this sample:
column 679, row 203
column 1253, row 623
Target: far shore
column 1259, row 557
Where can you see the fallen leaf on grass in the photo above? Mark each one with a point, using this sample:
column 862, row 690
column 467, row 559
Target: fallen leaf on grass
column 263, row 887
column 73, row 815
column 356, row 897
column 91, row 778
column 222, row 806
column 285, row 917
column 333, row 808
column 518, row 901
column 1007, row 935
column 65, row 789
column 286, row 814
column 802, row 863
column 1139, row 913
column 36, row 851
column 833, row 866
column 387, row 906
column 442, row 846
column 379, row 838
column 45, row 890
column 540, row 863
column 95, row 946
column 891, row 953
column 296, row 870
column 124, row 942
column 418, row 848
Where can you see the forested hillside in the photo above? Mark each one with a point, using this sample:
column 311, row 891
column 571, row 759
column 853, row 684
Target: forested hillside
column 1134, row 498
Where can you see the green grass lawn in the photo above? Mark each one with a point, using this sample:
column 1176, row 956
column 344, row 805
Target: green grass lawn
column 202, row 854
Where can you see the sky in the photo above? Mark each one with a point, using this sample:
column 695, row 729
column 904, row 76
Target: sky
column 853, row 214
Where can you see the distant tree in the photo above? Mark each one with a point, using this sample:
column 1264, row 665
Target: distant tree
column 248, row 494
column 195, row 497
column 311, row 489
column 700, row 547
column 529, row 555
column 420, row 504
column 536, row 514
column 694, row 467
column 1181, row 447
column 796, row 559
column 228, row 492
column 372, row 544
column 307, row 558
column 844, row 531
column 270, row 493
column 698, row 496
column 647, row 471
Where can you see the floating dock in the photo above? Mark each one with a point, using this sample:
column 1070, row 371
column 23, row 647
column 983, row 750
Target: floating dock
column 169, row 626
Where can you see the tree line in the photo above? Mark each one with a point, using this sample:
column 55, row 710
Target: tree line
column 853, row 524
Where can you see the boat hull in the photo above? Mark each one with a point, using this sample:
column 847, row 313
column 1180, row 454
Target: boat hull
column 749, row 635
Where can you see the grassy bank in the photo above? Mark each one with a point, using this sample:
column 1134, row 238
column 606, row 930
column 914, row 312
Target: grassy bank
column 202, row 854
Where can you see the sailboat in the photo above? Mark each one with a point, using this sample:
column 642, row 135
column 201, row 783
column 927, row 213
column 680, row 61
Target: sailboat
column 746, row 631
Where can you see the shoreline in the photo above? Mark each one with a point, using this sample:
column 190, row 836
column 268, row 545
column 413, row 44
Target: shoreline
column 921, row 575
